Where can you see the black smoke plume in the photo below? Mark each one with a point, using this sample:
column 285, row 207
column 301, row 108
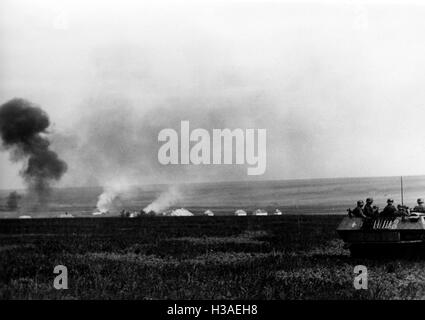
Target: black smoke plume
column 23, row 129
column 12, row 201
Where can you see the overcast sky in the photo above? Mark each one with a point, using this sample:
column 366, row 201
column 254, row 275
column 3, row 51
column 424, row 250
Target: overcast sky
column 338, row 85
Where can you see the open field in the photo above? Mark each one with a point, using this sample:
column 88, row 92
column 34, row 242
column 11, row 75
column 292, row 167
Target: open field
column 274, row 257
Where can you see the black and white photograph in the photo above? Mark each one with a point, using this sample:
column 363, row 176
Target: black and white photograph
column 212, row 150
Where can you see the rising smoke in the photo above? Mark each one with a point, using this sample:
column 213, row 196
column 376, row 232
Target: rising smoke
column 23, row 130
column 164, row 201
column 110, row 200
column 136, row 93
column 107, row 201
column 118, row 146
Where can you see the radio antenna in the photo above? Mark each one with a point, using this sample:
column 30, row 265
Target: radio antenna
column 401, row 184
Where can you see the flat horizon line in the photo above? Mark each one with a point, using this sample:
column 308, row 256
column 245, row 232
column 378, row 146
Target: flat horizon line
column 226, row 181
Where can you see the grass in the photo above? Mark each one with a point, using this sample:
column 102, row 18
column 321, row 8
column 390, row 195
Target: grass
column 276, row 257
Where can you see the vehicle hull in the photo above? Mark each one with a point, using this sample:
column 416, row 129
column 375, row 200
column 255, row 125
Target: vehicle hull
column 383, row 236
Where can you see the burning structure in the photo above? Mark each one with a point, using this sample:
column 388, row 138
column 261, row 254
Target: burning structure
column 109, row 201
column 164, row 201
column 106, row 202
column 23, row 131
column 177, row 213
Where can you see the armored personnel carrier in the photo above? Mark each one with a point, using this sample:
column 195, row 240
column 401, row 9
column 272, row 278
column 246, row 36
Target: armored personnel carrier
column 384, row 235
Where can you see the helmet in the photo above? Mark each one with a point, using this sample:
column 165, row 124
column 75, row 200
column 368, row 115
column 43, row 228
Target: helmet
column 390, row 200
column 369, row 200
column 420, row 201
column 360, row 202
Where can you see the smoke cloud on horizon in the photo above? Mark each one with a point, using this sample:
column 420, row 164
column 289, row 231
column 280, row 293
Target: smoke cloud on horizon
column 23, row 131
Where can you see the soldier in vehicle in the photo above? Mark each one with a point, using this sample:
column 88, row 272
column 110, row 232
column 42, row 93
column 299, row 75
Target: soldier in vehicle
column 358, row 210
column 355, row 212
column 403, row 210
column 369, row 210
column 390, row 210
column 420, row 207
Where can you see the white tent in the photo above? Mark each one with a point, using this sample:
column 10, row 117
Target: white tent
column 277, row 212
column 260, row 212
column 209, row 213
column 66, row 215
column 240, row 212
column 134, row 214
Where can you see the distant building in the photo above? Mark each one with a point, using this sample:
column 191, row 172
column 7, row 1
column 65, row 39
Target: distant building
column 25, row 217
column 277, row 212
